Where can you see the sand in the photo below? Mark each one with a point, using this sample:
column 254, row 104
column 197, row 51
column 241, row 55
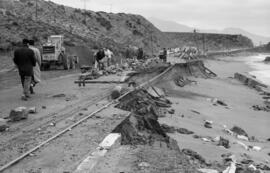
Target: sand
column 239, row 98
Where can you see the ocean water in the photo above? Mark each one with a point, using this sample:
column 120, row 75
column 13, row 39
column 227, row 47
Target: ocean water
column 259, row 69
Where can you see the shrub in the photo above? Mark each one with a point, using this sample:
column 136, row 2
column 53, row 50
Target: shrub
column 104, row 22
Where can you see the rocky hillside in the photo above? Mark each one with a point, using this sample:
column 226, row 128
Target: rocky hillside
column 93, row 29
column 209, row 42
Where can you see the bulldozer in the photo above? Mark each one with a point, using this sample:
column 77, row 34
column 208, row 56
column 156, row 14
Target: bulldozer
column 54, row 54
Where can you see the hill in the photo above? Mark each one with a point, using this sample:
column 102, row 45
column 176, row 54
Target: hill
column 94, row 29
column 90, row 29
column 211, row 42
column 257, row 39
column 171, row 26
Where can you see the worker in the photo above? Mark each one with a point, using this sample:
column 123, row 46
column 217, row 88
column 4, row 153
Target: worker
column 24, row 59
column 36, row 77
column 109, row 55
column 140, row 54
column 99, row 56
column 164, row 55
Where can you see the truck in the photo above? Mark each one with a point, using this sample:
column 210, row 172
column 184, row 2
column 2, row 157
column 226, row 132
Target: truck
column 54, row 54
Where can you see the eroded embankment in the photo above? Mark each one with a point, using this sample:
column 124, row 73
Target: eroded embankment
column 143, row 130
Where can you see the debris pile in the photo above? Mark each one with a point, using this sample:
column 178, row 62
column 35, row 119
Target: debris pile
column 142, row 126
column 261, row 108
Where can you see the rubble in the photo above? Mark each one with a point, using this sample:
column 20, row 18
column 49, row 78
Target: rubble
column 141, row 126
column 261, row 108
column 239, row 131
column 17, row 114
column 224, row 142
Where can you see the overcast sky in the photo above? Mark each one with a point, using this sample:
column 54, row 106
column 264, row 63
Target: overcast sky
column 251, row 15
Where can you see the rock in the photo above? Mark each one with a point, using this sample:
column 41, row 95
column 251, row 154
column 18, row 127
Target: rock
column 263, row 167
column 59, row 95
column 168, row 129
column 224, row 142
column 184, row 131
column 195, row 112
column 242, row 137
column 143, row 164
column 239, row 131
column 20, row 113
column 194, row 155
column 116, row 92
column 43, row 107
column 208, row 124
column 171, row 111
column 32, row 110
column 3, row 126
column 256, row 148
column 247, row 161
column 221, row 103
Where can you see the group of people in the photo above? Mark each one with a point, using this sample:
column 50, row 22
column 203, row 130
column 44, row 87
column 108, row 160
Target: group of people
column 28, row 60
column 103, row 58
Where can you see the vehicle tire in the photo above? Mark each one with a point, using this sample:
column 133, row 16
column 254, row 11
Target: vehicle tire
column 66, row 62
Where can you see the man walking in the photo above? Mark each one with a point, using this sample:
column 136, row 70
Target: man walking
column 36, row 70
column 24, row 58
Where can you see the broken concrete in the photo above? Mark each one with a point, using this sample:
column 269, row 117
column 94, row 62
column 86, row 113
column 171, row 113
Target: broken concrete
column 249, row 81
column 19, row 113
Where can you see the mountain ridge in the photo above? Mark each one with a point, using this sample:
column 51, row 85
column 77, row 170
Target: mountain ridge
column 176, row 27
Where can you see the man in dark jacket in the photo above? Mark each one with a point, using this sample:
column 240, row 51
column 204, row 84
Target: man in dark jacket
column 99, row 56
column 24, row 58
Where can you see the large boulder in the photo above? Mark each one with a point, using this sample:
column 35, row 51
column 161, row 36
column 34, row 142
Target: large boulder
column 19, row 113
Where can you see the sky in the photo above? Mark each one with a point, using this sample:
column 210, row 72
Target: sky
column 250, row 15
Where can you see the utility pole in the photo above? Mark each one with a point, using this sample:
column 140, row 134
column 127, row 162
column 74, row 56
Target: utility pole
column 203, row 43
column 36, row 10
column 152, row 44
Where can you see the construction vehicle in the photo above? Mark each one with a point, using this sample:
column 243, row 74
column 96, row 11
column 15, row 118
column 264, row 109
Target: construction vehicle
column 54, row 54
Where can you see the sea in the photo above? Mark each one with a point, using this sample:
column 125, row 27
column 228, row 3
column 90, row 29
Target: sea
column 260, row 69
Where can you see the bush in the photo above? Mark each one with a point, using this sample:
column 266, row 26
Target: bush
column 104, row 22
